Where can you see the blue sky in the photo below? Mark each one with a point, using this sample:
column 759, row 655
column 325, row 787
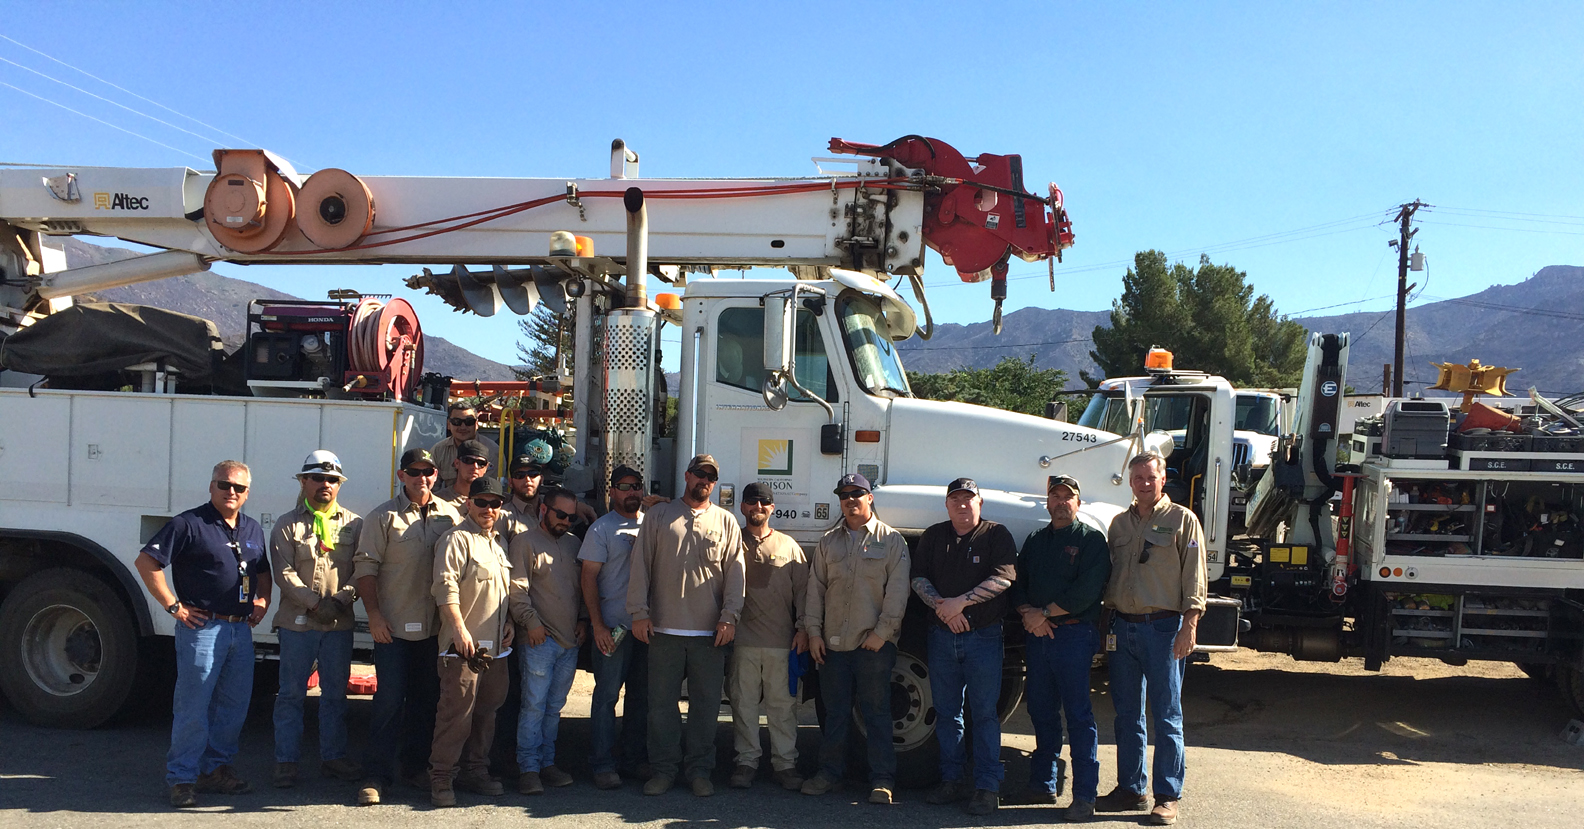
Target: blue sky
column 1275, row 136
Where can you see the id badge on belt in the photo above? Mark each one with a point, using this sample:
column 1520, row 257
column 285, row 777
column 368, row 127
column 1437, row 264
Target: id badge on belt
column 245, row 586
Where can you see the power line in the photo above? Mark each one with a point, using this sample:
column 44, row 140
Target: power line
column 1513, row 229
column 102, row 121
column 107, row 100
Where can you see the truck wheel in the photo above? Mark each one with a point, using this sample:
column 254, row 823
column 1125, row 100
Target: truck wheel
column 68, row 649
column 1572, row 682
column 1536, row 670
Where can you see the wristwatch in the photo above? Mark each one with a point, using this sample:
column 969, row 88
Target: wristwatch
column 1045, row 611
column 175, row 606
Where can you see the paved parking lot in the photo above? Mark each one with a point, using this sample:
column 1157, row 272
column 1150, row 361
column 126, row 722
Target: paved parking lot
column 1271, row 743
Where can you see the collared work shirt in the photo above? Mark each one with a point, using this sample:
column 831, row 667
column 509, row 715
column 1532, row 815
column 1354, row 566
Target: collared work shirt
column 445, row 453
column 858, row 584
column 307, row 573
column 545, row 589
column 457, row 500
column 687, row 569
column 956, row 564
column 1174, row 576
column 1066, row 567
column 207, row 572
column 775, row 574
column 472, row 572
column 518, row 516
column 397, row 548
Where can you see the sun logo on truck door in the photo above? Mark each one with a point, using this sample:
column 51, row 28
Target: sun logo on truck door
column 775, row 457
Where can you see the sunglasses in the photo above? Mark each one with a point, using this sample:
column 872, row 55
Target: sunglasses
column 526, row 473
column 852, row 494
column 323, row 479
column 757, row 502
column 488, row 503
column 564, row 516
column 708, row 476
column 415, row 472
column 464, row 421
column 479, row 462
column 230, row 487
column 627, row 487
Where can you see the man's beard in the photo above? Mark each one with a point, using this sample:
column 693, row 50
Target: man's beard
column 699, row 492
column 631, row 503
column 757, row 521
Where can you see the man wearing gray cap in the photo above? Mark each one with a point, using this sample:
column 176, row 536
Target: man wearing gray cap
column 1061, row 577
column 857, row 593
column 394, row 567
column 684, row 594
column 471, row 464
column 776, row 578
column 961, row 570
column 311, row 549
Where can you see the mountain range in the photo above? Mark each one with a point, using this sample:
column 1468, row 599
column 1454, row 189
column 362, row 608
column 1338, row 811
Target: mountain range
column 1536, row 325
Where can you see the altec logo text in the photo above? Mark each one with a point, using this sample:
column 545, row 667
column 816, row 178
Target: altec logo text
column 120, row 201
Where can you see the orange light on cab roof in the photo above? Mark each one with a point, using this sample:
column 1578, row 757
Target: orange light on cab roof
column 1158, row 359
column 585, row 245
column 669, row 302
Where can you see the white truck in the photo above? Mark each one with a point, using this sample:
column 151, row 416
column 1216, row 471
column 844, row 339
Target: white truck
column 790, row 381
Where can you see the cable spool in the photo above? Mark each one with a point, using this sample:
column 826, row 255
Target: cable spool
column 251, row 202
column 385, row 338
column 335, row 209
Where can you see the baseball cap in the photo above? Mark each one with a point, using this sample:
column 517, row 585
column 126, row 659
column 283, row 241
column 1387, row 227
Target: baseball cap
column 757, row 491
column 473, row 449
column 526, row 462
column 416, row 455
column 321, row 462
column 1062, row 480
column 701, row 461
column 487, row 485
column 624, row 471
column 853, row 479
column 962, row 485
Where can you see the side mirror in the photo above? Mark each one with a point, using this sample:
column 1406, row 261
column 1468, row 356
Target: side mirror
column 774, row 392
column 778, row 333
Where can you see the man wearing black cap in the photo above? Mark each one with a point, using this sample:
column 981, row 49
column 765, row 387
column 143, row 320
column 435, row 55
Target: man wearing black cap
column 776, row 578
column 472, row 580
column 618, row 659
column 472, row 463
column 1061, row 577
column 962, row 570
column 857, row 593
column 461, row 427
column 526, row 477
column 394, row 569
column 684, row 594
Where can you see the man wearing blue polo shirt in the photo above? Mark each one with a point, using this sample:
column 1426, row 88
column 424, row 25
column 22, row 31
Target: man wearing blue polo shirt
column 222, row 590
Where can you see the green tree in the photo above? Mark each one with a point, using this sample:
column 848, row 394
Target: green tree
column 1012, row 384
column 537, row 349
column 1208, row 317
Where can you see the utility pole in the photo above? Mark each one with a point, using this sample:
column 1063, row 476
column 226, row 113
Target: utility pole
column 1405, row 214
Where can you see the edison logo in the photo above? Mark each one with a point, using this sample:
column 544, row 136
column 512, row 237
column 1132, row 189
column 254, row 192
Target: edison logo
column 120, row 201
column 775, row 457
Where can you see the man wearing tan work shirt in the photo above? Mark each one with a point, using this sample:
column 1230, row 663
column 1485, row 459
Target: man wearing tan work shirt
column 857, row 593
column 775, row 573
column 462, row 426
column 471, row 463
column 311, row 550
column 394, row 567
column 545, row 605
column 472, row 580
column 1157, row 593
column 685, row 593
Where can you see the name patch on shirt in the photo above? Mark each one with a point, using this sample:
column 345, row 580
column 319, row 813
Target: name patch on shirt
column 415, row 627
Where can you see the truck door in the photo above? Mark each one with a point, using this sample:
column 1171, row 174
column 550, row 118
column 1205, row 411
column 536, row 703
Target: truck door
column 1199, row 469
column 752, row 443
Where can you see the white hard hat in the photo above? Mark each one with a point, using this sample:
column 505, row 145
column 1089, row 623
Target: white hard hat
column 322, row 462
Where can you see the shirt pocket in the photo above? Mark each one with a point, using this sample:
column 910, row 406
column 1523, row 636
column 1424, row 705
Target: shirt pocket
column 1160, row 543
column 712, row 546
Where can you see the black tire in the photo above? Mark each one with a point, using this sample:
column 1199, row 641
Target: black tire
column 1571, row 680
column 68, row 649
column 1536, row 670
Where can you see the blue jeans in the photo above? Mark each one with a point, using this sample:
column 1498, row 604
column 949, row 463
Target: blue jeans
column 1143, row 666
column 214, row 683
column 401, row 722
column 1058, row 681
column 547, row 671
column 628, row 664
column 866, row 676
column 299, row 650
column 967, row 666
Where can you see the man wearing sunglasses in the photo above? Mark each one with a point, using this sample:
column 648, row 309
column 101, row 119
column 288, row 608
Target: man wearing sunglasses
column 545, row 605
column 472, row 581
column 461, row 427
column 961, row 570
column 1157, row 593
column 311, row 548
column 472, row 463
column 526, row 479
column 606, row 556
column 221, row 590
column 684, row 594
column 857, row 593
column 394, row 568
column 775, row 574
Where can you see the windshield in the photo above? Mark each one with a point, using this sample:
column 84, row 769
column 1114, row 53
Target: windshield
column 1108, row 413
column 874, row 356
column 1257, row 413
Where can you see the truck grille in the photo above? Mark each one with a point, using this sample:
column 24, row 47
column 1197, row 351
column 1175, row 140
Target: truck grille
column 1242, row 453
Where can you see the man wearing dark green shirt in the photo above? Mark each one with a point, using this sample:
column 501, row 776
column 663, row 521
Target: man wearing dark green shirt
column 1061, row 577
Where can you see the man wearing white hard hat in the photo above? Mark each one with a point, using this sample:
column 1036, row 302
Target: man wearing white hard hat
column 311, row 549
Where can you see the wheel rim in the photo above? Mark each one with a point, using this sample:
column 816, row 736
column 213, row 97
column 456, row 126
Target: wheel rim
column 61, row 650
column 912, row 706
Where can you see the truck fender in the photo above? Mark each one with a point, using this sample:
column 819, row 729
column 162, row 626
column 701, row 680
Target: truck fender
column 124, row 576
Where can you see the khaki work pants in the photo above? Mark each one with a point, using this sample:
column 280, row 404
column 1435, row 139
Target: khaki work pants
column 761, row 674
column 465, row 719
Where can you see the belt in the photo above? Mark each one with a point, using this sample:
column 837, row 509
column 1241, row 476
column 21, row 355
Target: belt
column 1138, row 618
column 216, row 616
